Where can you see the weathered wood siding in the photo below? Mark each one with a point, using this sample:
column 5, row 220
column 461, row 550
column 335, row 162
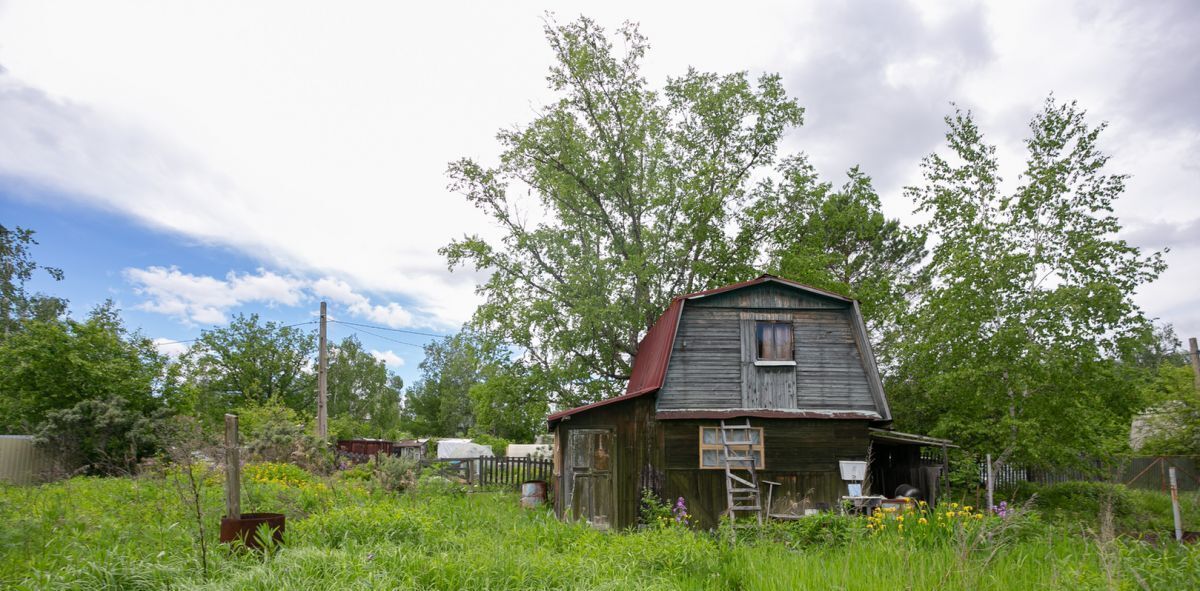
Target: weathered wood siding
column 637, row 451
column 712, row 359
column 800, row 454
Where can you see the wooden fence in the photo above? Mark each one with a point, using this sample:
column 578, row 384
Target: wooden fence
column 492, row 471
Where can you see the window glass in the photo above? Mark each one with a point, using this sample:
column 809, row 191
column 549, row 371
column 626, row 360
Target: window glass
column 774, row 341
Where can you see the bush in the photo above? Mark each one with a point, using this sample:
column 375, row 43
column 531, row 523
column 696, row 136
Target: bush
column 1083, row 496
column 101, row 436
column 395, row 474
column 433, row 483
column 277, row 473
column 276, row 433
column 821, row 530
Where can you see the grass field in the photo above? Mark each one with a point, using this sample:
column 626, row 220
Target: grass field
column 139, row 533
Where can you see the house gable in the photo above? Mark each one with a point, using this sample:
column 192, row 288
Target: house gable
column 713, row 363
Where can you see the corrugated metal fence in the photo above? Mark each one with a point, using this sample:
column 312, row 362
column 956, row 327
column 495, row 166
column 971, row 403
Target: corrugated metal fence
column 21, row 462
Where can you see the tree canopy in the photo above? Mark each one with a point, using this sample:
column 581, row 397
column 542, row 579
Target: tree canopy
column 1022, row 342
column 636, row 185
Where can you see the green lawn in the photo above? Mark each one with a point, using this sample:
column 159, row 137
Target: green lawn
column 130, row 533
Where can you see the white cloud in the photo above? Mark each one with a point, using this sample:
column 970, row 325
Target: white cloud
column 389, row 358
column 390, row 314
column 303, row 144
column 170, row 348
column 203, row 299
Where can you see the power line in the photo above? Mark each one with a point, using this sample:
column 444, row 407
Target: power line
column 198, row 338
column 379, row 336
column 424, row 334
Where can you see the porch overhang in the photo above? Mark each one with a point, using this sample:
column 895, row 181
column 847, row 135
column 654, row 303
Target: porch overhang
column 909, row 438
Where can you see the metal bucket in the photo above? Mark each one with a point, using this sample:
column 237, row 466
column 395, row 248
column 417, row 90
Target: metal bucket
column 245, row 528
column 533, row 493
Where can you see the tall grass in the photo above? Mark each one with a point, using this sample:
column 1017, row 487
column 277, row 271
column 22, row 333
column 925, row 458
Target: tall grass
column 91, row 533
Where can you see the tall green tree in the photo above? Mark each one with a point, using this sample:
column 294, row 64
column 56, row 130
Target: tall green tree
column 635, row 189
column 510, row 402
column 17, row 267
column 837, row 239
column 52, row 365
column 439, row 403
column 362, row 390
column 246, row 362
column 1022, row 342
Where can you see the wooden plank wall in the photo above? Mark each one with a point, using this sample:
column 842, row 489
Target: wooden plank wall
column 712, row 360
column 637, row 452
column 801, row 454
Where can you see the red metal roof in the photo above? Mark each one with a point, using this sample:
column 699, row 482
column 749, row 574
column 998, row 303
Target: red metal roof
column 654, row 351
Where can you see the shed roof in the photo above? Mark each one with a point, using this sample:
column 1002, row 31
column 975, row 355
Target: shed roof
column 654, row 351
column 909, row 438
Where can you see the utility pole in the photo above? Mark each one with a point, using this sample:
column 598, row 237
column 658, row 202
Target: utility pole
column 1195, row 355
column 322, row 383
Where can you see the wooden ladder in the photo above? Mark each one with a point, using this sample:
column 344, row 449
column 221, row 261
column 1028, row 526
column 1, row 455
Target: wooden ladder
column 741, row 494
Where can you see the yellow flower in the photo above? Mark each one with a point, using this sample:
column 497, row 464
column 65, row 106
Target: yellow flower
column 899, row 518
column 953, row 505
column 967, row 508
column 949, row 514
column 922, row 521
column 900, row 527
column 979, row 516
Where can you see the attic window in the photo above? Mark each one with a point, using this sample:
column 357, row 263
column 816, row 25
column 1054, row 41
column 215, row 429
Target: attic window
column 773, row 341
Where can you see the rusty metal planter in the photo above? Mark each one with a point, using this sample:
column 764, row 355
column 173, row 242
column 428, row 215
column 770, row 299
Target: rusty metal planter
column 245, row 528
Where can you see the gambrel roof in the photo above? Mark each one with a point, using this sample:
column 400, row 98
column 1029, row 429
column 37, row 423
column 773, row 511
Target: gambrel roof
column 654, row 351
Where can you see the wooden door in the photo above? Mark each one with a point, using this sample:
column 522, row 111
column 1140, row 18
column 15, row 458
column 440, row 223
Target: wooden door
column 589, row 473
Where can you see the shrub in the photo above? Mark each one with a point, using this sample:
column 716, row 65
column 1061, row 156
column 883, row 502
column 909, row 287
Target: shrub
column 277, row 473
column 1083, row 503
column 824, row 530
column 395, row 474
column 433, row 483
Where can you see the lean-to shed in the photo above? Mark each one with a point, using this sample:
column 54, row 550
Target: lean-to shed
column 755, row 388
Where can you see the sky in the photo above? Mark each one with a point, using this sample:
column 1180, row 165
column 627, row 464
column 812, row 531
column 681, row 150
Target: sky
column 192, row 161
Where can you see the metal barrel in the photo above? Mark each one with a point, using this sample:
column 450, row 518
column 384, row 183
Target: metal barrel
column 533, row 493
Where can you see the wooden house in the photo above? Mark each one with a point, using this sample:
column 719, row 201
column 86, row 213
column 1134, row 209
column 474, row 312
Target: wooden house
column 753, row 390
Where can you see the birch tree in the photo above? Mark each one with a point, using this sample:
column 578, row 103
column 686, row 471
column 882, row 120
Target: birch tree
column 1018, row 347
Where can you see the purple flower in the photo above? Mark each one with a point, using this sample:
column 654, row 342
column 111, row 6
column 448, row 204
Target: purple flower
column 1001, row 510
column 680, row 511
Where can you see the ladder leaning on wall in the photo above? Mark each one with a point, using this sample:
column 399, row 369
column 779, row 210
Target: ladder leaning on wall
column 741, row 492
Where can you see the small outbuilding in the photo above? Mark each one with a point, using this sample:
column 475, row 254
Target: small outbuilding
column 754, row 398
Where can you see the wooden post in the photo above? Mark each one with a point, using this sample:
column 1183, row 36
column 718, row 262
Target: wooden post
column 322, row 383
column 1195, row 355
column 946, row 469
column 1175, row 505
column 233, row 469
column 991, row 489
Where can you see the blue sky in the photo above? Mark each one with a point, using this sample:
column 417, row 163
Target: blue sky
column 95, row 249
column 193, row 161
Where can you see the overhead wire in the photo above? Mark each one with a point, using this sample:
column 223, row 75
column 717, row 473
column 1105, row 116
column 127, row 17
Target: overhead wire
column 379, row 336
column 377, row 327
column 198, row 338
